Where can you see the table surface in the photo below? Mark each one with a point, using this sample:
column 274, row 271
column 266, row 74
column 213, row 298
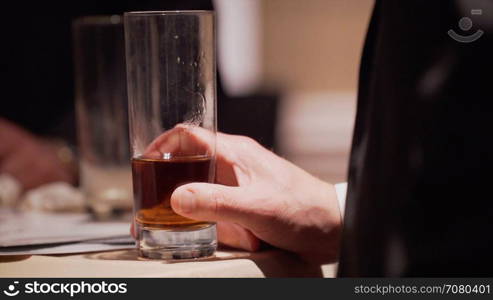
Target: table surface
column 125, row 263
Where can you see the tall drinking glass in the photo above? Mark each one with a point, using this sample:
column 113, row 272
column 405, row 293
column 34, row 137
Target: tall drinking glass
column 102, row 115
column 171, row 80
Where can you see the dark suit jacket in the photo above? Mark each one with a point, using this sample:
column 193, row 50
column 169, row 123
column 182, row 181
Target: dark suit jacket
column 420, row 193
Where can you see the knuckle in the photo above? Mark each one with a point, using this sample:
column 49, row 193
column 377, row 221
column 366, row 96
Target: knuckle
column 246, row 143
column 220, row 202
column 247, row 140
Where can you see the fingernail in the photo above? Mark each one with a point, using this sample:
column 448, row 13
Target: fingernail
column 187, row 201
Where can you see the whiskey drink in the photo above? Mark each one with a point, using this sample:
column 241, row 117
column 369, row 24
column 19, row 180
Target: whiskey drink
column 162, row 233
column 154, row 181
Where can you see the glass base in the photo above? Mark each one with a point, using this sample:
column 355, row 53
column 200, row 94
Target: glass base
column 176, row 244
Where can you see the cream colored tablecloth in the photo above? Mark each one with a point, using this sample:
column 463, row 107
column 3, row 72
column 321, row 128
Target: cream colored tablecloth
column 124, row 263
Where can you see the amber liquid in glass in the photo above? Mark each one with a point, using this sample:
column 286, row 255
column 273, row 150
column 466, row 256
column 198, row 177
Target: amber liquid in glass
column 154, row 180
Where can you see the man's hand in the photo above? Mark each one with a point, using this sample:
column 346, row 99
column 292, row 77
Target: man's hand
column 259, row 196
column 31, row 160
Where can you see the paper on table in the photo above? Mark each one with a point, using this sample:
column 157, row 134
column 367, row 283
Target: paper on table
column 35, row 228
column 118, row 243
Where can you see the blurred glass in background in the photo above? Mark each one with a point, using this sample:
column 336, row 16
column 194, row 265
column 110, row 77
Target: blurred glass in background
column 102, row 114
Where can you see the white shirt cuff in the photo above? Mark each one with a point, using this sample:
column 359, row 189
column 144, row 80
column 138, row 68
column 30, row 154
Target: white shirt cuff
column 341, row 190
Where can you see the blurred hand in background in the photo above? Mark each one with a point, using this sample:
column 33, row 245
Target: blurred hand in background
column 32, row 160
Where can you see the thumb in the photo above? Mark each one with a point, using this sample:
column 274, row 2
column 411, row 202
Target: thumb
column 210, row 202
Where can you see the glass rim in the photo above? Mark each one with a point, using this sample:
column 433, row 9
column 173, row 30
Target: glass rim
column 114, row 19
column 166, row 12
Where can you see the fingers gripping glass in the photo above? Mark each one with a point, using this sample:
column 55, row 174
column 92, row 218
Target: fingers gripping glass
column 171, row 78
